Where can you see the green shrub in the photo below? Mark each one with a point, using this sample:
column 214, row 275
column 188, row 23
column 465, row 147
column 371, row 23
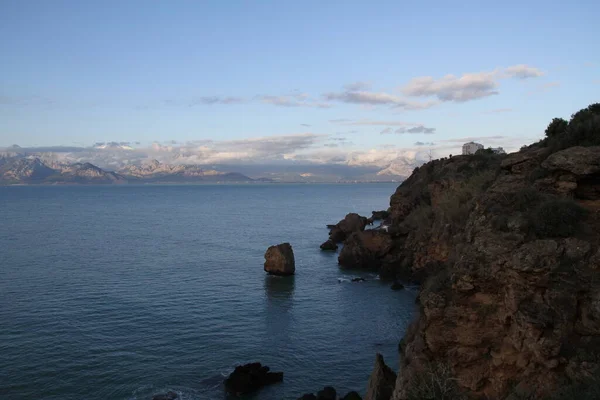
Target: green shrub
column 557, row 218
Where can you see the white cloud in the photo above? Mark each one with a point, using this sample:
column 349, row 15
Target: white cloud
column 452, row 88
column 416, row 129
column 299, row 100
column 467, row 87
column 374, row 99
column 523, row 71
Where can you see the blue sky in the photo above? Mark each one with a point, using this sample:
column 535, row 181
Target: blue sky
column 79, row 72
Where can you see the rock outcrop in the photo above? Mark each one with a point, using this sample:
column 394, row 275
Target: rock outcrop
column 279, row 260
column 506, row 249
column 166, row 396
column 381, row 382
column 351, row 223
column 249, row 378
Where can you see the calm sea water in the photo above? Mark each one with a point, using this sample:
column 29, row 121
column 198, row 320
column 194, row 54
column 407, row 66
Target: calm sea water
column 121, row 292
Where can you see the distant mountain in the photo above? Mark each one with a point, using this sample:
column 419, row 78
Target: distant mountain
column 32, row 170
column 154, row 171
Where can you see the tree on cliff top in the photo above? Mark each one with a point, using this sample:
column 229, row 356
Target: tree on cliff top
column 583, row 129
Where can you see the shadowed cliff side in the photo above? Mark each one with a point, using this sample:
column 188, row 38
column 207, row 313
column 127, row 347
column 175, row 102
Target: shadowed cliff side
column 506, row 249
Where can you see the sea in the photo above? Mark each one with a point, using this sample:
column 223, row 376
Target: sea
column 124, row 291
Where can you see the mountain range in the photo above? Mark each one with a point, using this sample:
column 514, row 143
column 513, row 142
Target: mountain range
column 116, row 163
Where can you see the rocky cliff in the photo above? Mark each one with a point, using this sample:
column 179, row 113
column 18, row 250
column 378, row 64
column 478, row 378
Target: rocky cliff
column 507, row 252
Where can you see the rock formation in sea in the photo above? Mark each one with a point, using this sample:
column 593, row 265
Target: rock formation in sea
column 506, row 249
column 381, row 382
column 279, row 260
column 249, row 378
column 339, row 232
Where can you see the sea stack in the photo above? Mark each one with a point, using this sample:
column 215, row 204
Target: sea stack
column 279, row 260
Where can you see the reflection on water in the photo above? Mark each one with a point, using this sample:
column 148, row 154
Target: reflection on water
column 279, row 295
column 279, row 290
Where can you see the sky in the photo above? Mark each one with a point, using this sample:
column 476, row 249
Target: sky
column 315, row 78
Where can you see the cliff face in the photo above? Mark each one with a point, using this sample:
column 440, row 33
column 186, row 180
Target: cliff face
column 506, row 249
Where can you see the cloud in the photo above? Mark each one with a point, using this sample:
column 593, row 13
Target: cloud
column 424, row 144
column 416, row 129
column 386, row 131
column 356, row 86
column 544, row 87
column 339, row 120
column 307, row 125
column 331, row 145
column 209, row 100
column 292, row 101
column 467, row 87
column 369, row 122
column 473, row 139
column 375, row 99
column 451, row 88
column 523, row 71
column 498, row 111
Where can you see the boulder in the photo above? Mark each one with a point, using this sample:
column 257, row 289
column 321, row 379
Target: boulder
column 352, row 396
column 329, row 245
column 279, row 260
column 351, row 223
column 577, row 160
column 250, row 378
column 381, row 382
column 328, row 393
column 358, row 279
column 166, row 396
column 397, row 286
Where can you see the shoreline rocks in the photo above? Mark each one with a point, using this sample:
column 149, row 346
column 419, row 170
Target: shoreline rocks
column 279, row 260
column 250, row 378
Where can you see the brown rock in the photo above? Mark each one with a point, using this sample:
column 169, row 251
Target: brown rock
column 381, row 382
column 351, row 223
column 329, row 245
column 365, row 249
column 279, row 260
column 577, row 160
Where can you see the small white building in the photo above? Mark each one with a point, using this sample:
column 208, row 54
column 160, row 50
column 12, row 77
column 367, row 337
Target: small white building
column 498, row 150
column 471, row 148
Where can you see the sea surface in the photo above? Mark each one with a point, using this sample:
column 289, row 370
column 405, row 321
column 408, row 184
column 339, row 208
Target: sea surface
column 122, row 292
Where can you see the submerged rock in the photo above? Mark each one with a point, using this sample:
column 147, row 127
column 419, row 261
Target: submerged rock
column 308, row 396
column 328, row 393
column 397, row 286
column 279, row 260
column 249, row 378
column 358, row 279
column 381, row 382
column 352, row 396
column 166, row 396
